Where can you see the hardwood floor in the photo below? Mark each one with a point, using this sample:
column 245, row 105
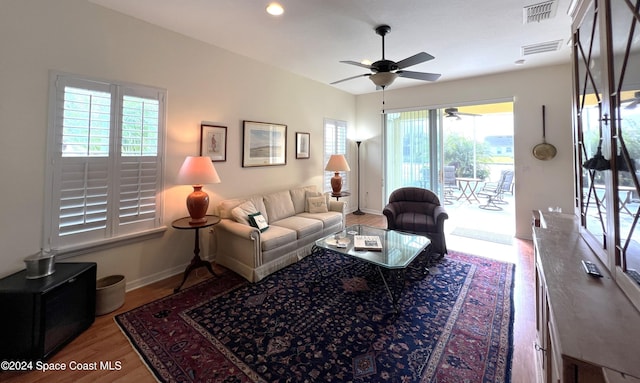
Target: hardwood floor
column 105, row 342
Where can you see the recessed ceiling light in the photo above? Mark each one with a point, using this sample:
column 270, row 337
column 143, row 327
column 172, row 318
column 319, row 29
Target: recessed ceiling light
column 366, row 62
column 275, row 9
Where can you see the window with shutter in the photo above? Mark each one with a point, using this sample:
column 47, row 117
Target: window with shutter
column 335, row 142
column 105, row 168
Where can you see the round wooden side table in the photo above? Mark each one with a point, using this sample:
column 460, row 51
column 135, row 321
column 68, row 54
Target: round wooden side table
column 196, row 261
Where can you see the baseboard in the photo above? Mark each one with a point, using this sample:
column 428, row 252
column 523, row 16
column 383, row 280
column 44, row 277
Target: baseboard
column 136, row 284
column 367, row 211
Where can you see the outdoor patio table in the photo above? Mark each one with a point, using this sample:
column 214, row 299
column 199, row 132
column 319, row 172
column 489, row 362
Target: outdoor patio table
column 468, row 188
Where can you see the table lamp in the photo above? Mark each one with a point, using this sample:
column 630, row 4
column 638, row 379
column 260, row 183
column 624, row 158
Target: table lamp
column 197, row 171
column 337, row 163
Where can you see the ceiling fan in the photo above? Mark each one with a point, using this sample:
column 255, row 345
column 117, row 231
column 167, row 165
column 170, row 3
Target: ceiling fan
column 454, row 113
column 384, row 71
column 634, row 101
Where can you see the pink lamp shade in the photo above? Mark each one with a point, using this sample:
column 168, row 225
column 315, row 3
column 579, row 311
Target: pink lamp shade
column 337, row 163
column 197, row 171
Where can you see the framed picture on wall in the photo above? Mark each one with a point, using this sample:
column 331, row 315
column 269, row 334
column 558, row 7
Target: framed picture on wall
column 303, row 145
column 213, row 142
column 264, row 144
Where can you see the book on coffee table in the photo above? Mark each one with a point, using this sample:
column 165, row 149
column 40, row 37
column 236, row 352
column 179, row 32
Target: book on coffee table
column 367, row 242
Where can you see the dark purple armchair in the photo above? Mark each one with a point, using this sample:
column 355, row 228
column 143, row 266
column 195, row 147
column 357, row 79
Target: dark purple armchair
column 418, row 211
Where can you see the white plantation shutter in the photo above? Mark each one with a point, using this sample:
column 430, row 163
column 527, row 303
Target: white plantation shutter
column 84, row 185
column 105, row 170
column 139, row 186
column 139, row 182
column 335, row 142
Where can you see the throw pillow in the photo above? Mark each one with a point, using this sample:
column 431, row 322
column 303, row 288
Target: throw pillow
column 317, row 205
column 241, row 212
column 258, row 221
column 310, row 194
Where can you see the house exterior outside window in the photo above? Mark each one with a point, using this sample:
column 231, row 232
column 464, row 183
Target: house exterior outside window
column 335, row 142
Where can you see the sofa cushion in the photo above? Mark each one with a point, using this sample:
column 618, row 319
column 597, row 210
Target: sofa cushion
column 328, row 219
column 303, row 226
column 279, row 205
column 241, row 212
column 275, row 237
column 299, row 197
column 317, row 204
column 225, row 207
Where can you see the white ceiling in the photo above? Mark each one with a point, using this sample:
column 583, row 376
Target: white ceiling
column 468, row 38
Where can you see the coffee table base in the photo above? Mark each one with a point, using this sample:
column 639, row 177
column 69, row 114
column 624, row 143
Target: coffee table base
column 394, row 290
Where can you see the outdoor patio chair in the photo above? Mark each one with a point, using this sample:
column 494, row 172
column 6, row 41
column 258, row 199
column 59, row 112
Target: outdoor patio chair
column 495, row 192
column 450, row 183
column 418, row 211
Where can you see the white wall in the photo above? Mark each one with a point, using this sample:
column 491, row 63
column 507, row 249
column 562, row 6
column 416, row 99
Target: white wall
column 204, row 83
column 539, row 184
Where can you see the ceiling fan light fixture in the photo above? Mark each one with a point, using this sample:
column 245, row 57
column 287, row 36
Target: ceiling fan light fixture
column 383, row 79
column 452, row 113
column 275, row 9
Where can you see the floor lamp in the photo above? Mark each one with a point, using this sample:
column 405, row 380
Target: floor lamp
column 358, row 212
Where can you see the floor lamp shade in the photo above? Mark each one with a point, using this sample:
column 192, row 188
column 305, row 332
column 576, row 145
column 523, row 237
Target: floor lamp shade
column 197, row 171
column 337, row 163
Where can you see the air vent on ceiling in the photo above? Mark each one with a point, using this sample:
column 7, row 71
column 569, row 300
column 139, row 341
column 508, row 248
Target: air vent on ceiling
column 549, row 46
column 541, row 11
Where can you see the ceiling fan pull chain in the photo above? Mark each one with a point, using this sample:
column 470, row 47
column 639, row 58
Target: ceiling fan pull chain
column 383, row 100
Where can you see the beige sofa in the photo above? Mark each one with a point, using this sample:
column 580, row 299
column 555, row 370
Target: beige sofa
column 296, row 218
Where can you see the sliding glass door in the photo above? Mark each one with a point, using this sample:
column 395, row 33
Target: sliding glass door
column 412, row 150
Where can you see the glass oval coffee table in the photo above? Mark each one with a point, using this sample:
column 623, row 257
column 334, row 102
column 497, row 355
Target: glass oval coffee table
column 396, row 250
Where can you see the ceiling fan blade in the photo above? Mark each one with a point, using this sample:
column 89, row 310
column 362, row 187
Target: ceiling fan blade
column 415, row 59
column 419, row 75
column 351, row 78
column 633, row 104
column 356, row 64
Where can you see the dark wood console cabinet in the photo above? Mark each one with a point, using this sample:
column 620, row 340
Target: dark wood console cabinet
column 39, row 316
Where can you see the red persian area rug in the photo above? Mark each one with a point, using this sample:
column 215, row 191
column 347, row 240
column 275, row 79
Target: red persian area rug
column 454, row 324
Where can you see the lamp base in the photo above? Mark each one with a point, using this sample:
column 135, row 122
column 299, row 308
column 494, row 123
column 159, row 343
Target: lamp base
column 336, row 183
column 197, row 221
column 358, row 212
column 197, row 204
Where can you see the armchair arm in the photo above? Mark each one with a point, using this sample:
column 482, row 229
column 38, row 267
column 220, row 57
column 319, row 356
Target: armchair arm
column 391, row 213
column 439, row 216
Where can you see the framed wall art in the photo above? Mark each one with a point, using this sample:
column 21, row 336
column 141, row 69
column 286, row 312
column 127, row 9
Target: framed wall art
column 303, row 145
column 264, row 144
column 213, row 142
